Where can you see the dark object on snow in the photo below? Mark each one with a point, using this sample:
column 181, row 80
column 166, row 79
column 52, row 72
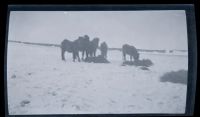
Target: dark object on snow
column 143, row 62
column 144, row 68
column 175, row 77
column 98, row 59
column 130, row 50
column 104, row 49
column 24, row 102
column 29, row 74
column 13, row 76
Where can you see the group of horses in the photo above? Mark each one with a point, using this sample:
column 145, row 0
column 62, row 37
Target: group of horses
column 85, row 46
column 89, row 47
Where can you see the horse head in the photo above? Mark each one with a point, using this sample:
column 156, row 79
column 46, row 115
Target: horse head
column 86, row 37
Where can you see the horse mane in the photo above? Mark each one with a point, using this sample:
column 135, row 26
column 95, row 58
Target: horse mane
column 65, row 40
column 86, row 36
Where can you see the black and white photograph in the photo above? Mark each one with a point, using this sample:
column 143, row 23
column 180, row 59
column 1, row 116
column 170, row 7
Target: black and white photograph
column 97, row 62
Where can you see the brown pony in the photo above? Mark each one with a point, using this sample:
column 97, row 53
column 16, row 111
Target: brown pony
column 71, row 47
column 130, row 50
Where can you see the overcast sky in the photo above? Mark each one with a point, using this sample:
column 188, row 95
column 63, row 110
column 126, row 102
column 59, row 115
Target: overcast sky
column 164, row 29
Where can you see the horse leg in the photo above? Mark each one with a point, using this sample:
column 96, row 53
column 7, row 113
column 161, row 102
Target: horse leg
column 124, row 56
column 104, row 55
column 74, row 56
column 86, row 52
column 83, row 54
column 63, row 54
column 78, row 57
column 95, row 52
column 91, row 54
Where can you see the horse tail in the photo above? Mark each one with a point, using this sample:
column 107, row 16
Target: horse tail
column 123, row 52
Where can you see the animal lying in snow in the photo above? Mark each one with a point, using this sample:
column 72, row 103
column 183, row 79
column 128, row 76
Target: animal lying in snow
column 98, row 59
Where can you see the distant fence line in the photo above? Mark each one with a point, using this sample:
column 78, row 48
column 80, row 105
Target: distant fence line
column 32, row 43
column 119, row 49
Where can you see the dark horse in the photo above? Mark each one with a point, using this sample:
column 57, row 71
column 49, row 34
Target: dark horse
column 104, row 49
column 130, row 50
column 91, row 50
column 71, row 47
column 83, row 45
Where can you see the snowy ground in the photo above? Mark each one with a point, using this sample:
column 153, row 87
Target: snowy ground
column 40, row 83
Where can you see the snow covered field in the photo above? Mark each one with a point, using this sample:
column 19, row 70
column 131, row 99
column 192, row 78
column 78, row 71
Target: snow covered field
column 39, row 82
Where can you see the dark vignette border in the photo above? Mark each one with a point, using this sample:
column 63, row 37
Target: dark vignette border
column 192, row 47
